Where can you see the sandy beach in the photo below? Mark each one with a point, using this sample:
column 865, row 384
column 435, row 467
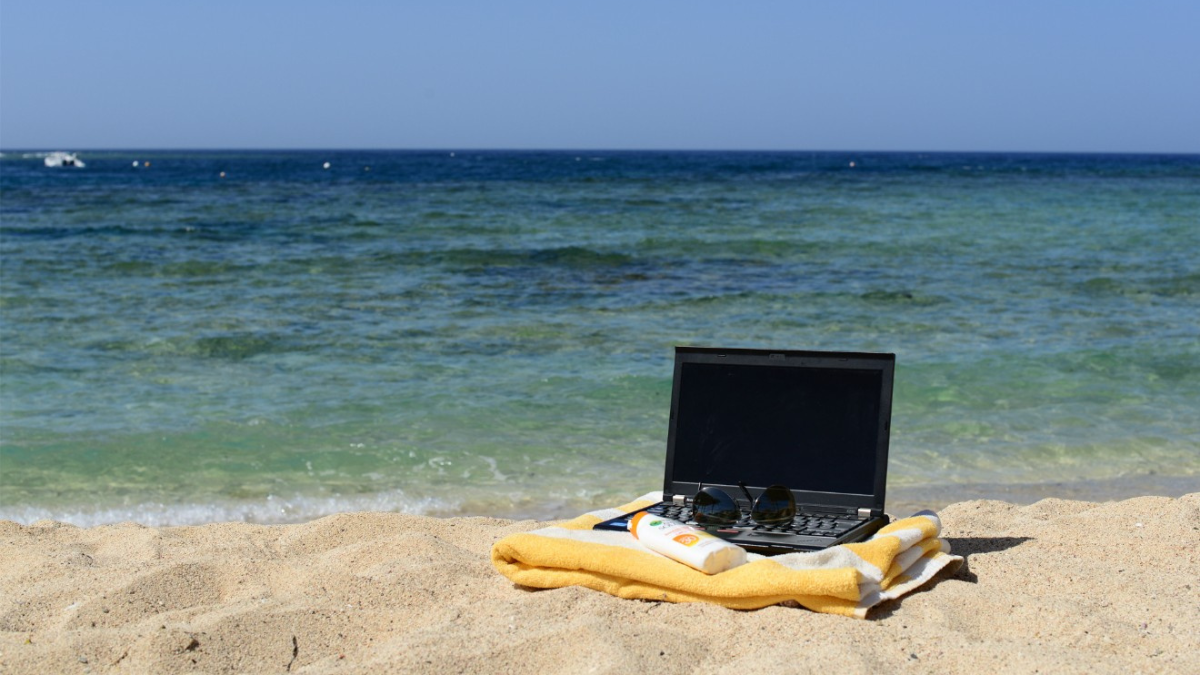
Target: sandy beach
column 1056, row 586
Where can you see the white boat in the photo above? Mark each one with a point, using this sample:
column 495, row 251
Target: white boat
column 56, row 159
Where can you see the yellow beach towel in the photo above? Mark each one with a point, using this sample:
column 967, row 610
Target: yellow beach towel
column 847, row 579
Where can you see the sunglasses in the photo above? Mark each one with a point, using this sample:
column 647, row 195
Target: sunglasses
column 713, row 506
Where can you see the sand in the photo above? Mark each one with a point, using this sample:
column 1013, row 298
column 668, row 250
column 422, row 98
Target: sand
column 1056, row 586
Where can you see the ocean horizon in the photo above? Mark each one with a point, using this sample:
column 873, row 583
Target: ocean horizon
column 190, row 336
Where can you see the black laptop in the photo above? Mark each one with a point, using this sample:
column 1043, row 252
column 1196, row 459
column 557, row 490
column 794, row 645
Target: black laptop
column 744, row 421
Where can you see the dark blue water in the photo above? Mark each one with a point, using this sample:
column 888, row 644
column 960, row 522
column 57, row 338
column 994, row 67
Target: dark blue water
column 249, row 335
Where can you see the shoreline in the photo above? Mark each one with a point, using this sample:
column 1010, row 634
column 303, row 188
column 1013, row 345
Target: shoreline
column 902, row 500
column 907, row 499
column 1054, row 586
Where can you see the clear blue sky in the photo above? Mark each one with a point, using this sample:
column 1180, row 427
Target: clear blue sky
column 872, row 75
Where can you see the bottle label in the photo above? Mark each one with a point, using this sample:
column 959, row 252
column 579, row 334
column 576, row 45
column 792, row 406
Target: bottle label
column 688, row 545
column 678, row 532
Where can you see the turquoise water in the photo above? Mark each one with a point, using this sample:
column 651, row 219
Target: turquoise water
column 492, row 333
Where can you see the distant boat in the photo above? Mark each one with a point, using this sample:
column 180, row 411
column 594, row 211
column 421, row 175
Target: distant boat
column 56, row 159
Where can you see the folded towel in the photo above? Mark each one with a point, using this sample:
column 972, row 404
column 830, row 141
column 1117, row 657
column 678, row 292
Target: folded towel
column 847, row 579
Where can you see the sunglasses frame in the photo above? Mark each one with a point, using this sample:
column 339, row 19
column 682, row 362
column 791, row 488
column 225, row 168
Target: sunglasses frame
column 765, row 510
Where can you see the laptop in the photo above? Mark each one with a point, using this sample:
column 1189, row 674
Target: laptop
column 743, row 420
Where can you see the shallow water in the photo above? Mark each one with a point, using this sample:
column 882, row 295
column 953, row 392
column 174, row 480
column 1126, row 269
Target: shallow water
column 492, row 333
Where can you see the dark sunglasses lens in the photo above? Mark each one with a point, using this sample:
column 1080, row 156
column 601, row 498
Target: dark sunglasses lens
column 774, row 506
column 713, row 507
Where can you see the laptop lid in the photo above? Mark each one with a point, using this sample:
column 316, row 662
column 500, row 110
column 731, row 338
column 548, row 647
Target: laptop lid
column 816, row 422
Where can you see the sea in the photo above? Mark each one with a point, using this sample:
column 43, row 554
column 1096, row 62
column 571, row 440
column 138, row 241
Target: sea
column 269, row 336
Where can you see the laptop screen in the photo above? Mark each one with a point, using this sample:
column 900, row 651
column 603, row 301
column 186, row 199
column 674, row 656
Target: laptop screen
column 812, row 424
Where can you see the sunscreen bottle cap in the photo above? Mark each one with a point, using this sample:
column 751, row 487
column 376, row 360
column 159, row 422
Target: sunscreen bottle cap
column 633, row 522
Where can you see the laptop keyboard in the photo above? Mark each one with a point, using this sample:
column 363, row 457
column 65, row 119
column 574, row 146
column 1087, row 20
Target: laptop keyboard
column 807, row 524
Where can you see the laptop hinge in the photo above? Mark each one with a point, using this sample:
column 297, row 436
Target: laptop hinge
column 864, row 513
column 678, row 500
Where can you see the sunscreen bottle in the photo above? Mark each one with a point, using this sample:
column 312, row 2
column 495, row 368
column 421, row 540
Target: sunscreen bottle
column 689, row 545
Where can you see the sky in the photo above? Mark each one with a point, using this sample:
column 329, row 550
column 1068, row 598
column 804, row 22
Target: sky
column 1012, row 75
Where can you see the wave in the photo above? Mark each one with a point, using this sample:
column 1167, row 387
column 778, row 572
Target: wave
column 1184, row 285
column 189, row 269
column 65, row 231
column 270, row 510
column 235, row 347
column 903, row 297
column 476, row 258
